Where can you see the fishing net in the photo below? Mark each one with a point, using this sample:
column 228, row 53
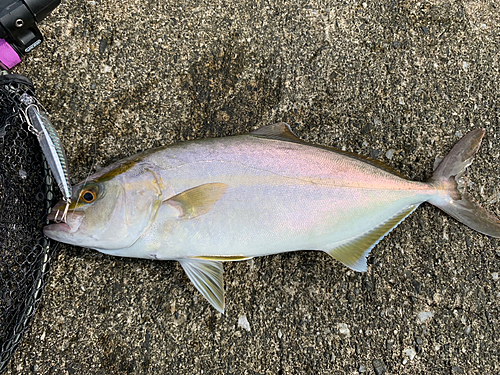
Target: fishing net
column 26, row 195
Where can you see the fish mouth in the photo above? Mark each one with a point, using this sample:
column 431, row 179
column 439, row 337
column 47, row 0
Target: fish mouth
column 52, row 215
column 70, row 225
column 48, row 230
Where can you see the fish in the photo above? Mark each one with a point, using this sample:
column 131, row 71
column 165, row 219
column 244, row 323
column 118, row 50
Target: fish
column 209, row 201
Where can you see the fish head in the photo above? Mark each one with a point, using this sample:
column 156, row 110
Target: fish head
column 107, row 214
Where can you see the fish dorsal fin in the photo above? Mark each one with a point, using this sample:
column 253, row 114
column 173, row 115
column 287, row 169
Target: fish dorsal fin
column 208, row 277
column 198, row 200
column 354, row 252
column 280, row 131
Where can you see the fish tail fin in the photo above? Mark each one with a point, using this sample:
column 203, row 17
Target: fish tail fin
column 457, row 203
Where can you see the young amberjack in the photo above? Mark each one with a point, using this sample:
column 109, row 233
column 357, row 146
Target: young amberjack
column 226, row 199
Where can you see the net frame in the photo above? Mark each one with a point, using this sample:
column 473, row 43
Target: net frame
column 24, row 263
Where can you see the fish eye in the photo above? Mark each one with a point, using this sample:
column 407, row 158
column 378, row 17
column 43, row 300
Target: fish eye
column 88, row 196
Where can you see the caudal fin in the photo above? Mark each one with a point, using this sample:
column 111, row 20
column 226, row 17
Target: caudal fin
column 457, row 203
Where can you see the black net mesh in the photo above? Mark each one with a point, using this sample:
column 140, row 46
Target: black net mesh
column 26, row 194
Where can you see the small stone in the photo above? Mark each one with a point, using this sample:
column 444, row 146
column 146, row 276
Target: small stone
column 494, row 275
column 425, row 29
column 390, row 153
column 106, row 69
column 343, row 329
column 410, row 353
column 375, row 153
column 424, row 315
column 467, row 330
column 379, row 367
column 361, row 369
column 457, row 369
column 417, row 285
column 389, row 344
column 243, row 322
column 102, row 46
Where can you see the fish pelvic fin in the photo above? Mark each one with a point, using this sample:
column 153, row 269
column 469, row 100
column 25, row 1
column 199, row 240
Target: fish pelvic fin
column 354, row 252
column 208, row 277
column 457, row 203
column 197, row 201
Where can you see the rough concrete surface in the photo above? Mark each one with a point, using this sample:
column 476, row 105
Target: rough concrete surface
column 399, row 81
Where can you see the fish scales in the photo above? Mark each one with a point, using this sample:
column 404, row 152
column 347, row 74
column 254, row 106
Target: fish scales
column 268, row 186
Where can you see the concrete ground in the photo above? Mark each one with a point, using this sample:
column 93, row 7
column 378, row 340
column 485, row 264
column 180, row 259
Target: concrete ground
column 399, row 81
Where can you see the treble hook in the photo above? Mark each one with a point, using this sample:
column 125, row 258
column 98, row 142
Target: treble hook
column 64, row 215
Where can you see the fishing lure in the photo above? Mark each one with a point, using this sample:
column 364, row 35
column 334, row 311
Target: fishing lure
column 40, row 125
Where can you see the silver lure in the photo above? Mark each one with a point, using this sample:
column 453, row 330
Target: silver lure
column 40, row 125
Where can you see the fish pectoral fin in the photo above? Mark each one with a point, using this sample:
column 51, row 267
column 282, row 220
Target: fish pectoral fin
column 280, row 131
column 354, row 252
column 198, row 200
column 208, row 277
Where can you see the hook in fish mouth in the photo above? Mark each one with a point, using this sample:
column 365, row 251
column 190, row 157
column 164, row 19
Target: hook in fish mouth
column 67, row 222
column 64, row 214
column 59, row 213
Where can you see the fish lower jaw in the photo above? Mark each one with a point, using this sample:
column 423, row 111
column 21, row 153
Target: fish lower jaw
column 58, row 227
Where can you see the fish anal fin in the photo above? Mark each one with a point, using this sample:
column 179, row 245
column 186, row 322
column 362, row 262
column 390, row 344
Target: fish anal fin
column 198, row 200
column 354, row 252
column 208, row 277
